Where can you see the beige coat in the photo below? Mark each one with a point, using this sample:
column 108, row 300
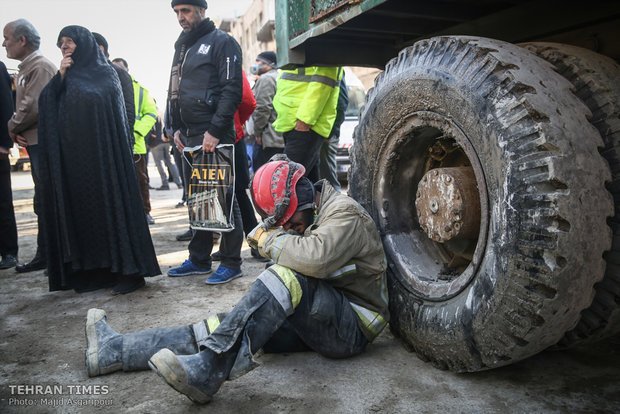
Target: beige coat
column 342, row 247
column 34, row 73
column 264, row 114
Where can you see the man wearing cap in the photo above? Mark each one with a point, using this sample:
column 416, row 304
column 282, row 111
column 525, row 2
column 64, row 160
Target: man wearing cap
column 268, row 141
column 203, row 95
column 326, row 292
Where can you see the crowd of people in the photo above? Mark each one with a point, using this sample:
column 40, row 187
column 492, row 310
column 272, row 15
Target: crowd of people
column 87, row 126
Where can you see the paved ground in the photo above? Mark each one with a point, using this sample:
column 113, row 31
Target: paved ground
column 42, row 344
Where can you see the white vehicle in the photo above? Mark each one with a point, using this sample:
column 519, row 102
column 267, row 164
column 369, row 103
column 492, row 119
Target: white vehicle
column 357, row 96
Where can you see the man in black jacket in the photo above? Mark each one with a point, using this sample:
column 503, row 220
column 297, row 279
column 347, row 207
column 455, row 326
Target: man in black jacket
column 204, row 93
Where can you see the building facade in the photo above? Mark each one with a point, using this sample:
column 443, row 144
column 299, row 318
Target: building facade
column 255, row 31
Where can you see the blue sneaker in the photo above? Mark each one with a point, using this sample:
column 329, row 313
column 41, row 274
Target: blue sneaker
column 223, row 275
column 188, row 268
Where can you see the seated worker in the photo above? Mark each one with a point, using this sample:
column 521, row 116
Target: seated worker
column 326, row 292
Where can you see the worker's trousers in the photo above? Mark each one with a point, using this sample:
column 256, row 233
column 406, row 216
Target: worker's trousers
column 282, row 312
column 285, row 311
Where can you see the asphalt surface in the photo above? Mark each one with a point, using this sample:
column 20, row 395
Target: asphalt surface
column 42, row 347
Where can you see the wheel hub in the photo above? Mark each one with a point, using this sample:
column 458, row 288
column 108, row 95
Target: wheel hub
column 448, row 204
column 435, row 235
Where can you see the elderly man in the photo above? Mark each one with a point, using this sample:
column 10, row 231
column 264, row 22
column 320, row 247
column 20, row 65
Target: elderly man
column 326, row 293
column 21, row 41
column 206, row 88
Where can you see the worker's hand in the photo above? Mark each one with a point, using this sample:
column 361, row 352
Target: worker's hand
column 302, row 126
column 209, row 142
column 21, row 141
column 65, row 64
column 257, row 237
column 177, row 141
column 4, row 153
column 259, row 140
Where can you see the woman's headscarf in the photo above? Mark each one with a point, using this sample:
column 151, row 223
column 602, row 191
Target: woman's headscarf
column 87, row 54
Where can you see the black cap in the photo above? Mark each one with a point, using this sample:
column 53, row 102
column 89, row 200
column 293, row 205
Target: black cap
column 199, row 3
column 102, row 42
column 269, row 58
column 305, row 194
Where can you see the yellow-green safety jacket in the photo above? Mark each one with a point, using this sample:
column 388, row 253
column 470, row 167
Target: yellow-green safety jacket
column 310, row 95
column 146, row 116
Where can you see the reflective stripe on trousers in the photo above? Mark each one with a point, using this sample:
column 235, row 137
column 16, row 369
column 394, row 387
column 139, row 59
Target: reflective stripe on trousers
column 373, row 321
column 204, row 328
column 284, row 287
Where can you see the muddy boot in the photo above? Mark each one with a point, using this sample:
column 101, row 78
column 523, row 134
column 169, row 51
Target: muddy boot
column 108, row 351
column 197, row 376
column 231, row 347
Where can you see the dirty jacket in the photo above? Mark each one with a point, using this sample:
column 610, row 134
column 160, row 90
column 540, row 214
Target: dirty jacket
column 34, row 73
column 264, row 115
column 343, row 248
column 310, row 95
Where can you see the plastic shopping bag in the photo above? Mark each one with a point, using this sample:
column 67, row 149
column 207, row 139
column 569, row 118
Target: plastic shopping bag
column 211, row 188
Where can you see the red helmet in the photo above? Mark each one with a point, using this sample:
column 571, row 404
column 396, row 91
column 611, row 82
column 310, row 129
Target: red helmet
column 273, row 189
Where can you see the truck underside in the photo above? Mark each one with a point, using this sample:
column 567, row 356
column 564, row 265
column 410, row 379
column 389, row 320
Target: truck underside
column 371, row 32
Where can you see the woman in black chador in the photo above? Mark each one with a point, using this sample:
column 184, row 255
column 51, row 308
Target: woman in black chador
column 96, row 228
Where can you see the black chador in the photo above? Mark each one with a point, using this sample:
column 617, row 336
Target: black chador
column 93, row 213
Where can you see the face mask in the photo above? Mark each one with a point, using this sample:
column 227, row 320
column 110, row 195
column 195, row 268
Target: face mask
column 254, row 68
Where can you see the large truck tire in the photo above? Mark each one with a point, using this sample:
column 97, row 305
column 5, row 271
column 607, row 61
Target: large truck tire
column 485, row 180
column 596, row 81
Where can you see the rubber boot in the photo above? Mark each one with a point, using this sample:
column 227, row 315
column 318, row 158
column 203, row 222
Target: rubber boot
column 197, row 376
column 108, row 351
column 229, row 349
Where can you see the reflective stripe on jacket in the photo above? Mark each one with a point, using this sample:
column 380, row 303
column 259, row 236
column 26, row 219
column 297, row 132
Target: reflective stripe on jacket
column 310, row 95
column 146, row 116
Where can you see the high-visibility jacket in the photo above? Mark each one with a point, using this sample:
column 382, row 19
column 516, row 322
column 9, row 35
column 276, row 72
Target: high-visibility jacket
column 146, row 116
column 310, row 95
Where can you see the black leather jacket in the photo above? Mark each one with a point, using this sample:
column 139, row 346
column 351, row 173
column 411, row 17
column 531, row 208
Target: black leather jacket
column 211, row 86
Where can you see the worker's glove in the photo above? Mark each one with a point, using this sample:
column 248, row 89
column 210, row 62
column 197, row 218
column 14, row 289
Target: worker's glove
column 257, row 237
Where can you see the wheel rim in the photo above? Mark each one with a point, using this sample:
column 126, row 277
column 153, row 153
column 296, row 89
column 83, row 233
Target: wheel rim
column 420, row 143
